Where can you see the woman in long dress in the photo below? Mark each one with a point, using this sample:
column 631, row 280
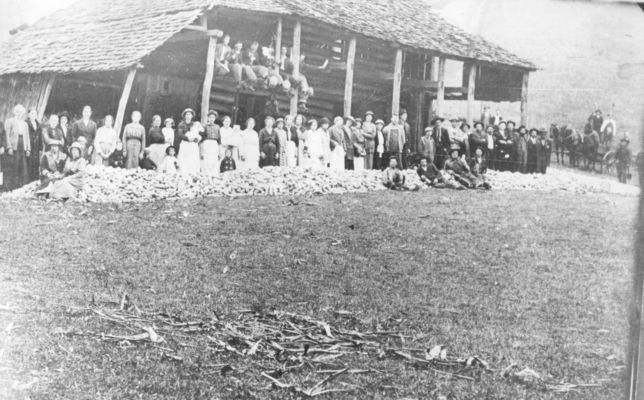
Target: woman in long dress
column 359, row 142
column 209, row 146
column 157, row 141
column 134, row 138
column 230, row 138
column 17, row 150
column 281, row 138
column 105, row 142
column 313, row 147
column 298, row 129
column 188, row 137
column 269, row 144
column 249, row 149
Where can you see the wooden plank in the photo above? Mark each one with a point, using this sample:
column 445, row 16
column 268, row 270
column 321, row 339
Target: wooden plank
column 278, row 39
column 125, row 95
column 524, row 99
column 471, row 86
column 348, row 80
column 295, row 59
column 207, row 82
column 395, row 98
column 408, row 84
column 440, row 94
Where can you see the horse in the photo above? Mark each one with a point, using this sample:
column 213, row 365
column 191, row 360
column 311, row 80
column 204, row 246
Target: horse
column 557, row 134
column 590, row 146
column 573, row 143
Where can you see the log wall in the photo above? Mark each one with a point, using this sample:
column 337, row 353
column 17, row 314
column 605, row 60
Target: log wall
column 25, row 89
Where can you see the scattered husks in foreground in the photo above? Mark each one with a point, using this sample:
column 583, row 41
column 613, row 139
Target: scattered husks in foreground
column 107, row 185
column 287, row 351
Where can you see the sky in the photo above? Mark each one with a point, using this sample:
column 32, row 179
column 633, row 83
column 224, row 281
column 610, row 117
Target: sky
column 14, row 13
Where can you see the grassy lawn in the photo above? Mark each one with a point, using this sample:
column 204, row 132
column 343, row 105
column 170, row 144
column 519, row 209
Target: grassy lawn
column 536, row 279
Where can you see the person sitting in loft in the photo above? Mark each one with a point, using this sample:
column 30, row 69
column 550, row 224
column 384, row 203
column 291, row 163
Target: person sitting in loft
column 298, row 83
column 242, row 73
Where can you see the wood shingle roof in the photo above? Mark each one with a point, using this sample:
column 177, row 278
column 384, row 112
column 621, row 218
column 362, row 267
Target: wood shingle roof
column 102, row 35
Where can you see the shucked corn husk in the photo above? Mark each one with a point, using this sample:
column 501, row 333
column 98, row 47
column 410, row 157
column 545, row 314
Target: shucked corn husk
column 119, row 185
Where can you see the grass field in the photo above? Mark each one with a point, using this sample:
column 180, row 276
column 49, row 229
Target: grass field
column 536, row 279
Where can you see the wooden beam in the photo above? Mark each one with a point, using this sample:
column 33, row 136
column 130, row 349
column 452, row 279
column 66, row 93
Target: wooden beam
column 395, row 98
column 524, row 99
column 471, row 87
column 207, row 81
column 440, row 94
column 44, row 99
column 125, row 96
column 295, row 59
column 348, row 80
column 278, row 39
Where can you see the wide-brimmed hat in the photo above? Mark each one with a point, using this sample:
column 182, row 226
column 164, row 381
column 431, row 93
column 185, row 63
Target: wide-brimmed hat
column 379, row 122
column 187, row 110
column 54, row 143
column 478, row 123
column 76, row 145
column 349, row 118
column 168, row 120
column 428, row 129
column 437, row 119
column 510, row 122
column 213, row 112
column 280, row 119
column 368, row 113
column 358, row 120
column 324, row 120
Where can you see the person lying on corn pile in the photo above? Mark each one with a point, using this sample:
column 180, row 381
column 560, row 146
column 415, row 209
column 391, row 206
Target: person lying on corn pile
column 459, row 171
column 394, row 179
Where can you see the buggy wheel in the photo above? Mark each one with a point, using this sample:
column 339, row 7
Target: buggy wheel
column 608, row 162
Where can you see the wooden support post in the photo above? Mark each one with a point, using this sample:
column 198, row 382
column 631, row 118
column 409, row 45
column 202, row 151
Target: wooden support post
column 418, row 115
column 42, row 102
column 125, row 96
column 440, row 94
column 348, row 80
column 278, row 40
column 471, row 87
column 524, row 99
column 210, row 73
column 295, row 59
column 395, row 98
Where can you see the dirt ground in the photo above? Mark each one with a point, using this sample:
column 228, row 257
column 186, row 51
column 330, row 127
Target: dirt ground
column 537, row 279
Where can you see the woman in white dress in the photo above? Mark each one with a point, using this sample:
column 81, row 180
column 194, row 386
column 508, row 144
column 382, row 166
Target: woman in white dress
column 188, row 135
column 229, row 138
column 313, row 152
column 249, row 149
column 105, row 142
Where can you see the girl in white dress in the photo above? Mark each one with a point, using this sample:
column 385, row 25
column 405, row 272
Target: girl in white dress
column 313, row 153
column 249, row 149
column 229, row 138
column 189, row 134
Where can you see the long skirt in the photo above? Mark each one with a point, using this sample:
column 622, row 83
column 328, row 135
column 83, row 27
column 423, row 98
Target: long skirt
column 133, row 149
column 269, row 153
column 336, row 160
column 157, row 154
column 209, row 157
column 188, row 158
column 368, row 160
column 291, row 154
column 98, row 159
column 250, row 161
column 358, row 163
column 283, row 157
column 15, row 167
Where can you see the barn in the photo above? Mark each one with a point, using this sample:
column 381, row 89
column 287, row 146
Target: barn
column 157, row 56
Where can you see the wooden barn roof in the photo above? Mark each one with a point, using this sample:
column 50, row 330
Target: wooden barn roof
column 102, row 35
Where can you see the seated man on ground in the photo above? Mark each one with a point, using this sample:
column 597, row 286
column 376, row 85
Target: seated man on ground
column 459, row 169
column 51, row 167
column 429, row 174
column 478, row 167
column 394, row 179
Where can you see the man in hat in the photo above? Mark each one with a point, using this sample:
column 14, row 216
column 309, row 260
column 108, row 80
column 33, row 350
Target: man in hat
column 544, row 148
column 486, row 117
column 478, row 138
column 459, row 170
column 429, row 174
column 596, row 120
column 394, row 139
column 623, row 157
column 52, row 163
column 240, row 70
column 441, row 140
column 407, row 130
column 369, row 133
column 379, row 143
column 86, row 128
column 428, row 146
column 478, row 168
column 222, row 52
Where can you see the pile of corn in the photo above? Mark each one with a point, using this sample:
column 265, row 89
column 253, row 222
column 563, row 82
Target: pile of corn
column 109, row 185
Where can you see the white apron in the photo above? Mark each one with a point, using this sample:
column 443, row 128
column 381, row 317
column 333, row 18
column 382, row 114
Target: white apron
column 188, row 158
column 336, row 159
column 209, row 157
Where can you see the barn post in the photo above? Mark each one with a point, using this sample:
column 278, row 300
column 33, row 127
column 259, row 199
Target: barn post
column 471, row 87
column 524, row 99
column 278, row 39
column 348, row 81
column 395, row 99
column 42, row 102
column 440, row 94
column 125, row 95
column 295, row 59
column 213, row 35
